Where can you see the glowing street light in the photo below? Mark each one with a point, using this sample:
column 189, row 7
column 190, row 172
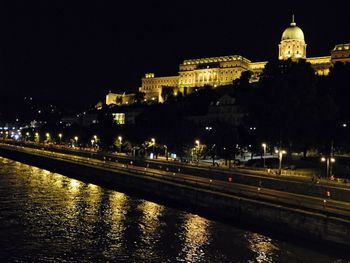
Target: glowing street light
column 264, row 147
column 329, row 161
column 76, row 138
column 280, row 154
column 47, row 137
column 120, row 138
column 197, row 142
column 153, row 143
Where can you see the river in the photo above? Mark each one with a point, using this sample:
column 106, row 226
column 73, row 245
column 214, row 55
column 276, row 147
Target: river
column 48, row 217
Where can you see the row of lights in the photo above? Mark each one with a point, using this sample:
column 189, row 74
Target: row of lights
column 328, row 160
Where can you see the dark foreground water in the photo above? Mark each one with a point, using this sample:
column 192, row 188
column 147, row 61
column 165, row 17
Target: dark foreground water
column 47, row 217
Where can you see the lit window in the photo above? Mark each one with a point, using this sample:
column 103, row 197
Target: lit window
column 119, row 118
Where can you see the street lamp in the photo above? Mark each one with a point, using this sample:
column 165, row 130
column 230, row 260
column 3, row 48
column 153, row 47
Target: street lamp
column 60, row 136
column 197, row 149
column 166, row 152
column 76, row 139
column 153, row 143
column 264, row 147
column 47, row 137
column 280, row 154
column 120, row 143
column 329, row 161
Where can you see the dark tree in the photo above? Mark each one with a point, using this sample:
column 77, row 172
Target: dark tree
column 288, row 108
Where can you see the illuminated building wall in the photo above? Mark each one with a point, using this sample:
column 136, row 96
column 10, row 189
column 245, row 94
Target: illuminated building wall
column 152, row 86
column 219, row 71
column 321, row 65
column 214, row 71
column 341, row 53
column 119, row 98
column 292, row 43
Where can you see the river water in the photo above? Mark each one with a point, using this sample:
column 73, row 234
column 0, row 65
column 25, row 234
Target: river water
column 48, row 217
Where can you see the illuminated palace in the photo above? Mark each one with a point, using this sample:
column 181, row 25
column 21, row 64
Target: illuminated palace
column 219, row 71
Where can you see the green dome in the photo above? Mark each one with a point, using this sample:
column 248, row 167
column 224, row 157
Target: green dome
column 293, row 32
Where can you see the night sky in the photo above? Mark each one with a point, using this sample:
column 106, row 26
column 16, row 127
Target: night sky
column 78, row 50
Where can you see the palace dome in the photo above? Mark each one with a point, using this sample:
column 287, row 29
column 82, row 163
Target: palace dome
column 293, row 32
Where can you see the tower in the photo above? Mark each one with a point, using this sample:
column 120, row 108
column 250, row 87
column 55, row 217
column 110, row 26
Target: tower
column 292, row 44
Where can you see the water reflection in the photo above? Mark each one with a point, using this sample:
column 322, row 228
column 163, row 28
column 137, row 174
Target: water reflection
column 150, row 219
column 197, row 235
column 262, row 247
column 48, row 216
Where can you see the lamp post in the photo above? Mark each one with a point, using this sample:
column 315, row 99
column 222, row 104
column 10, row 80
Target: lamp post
column 329, row 161
column 47, row 137
column 264, row 147
column 280, row 154
column 197, row 150
column 153, row 143
column 76, row 138
column 120, row 138
column 96, row 139
column 166, row 152
column 60, row 136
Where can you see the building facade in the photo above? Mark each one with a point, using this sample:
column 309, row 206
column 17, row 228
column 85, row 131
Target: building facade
column 220, row 71
column 119, row 98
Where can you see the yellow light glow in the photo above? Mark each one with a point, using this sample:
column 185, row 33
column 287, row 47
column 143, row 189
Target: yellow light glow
column 262, row 246
column 197, row 235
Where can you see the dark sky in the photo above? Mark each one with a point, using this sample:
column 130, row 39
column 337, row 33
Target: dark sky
column 78, row 50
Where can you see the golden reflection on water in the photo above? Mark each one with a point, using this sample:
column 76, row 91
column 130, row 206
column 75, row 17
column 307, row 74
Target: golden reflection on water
column 262, row 246
column 196, row 236
column 115, row 215
column 74, row 186
column 150, row 219
column 72, row 192
column 93, row 198
column 118, row 205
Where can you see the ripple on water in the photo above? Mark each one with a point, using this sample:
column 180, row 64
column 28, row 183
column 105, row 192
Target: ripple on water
column 47, row 217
